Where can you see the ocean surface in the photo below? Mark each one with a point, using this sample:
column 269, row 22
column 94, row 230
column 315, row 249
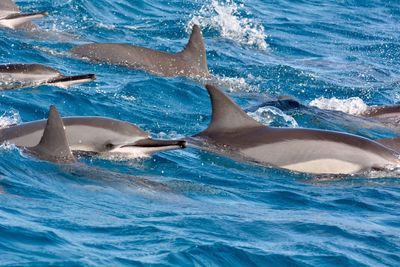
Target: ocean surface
column 208, row 210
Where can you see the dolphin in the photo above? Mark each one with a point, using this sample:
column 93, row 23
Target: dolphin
column 54, row 147
column 388, row 114
column 233, row 133
column 383, row 116
column 87, row 136
column 11, row 17
column 191, row 61
column 14, row 76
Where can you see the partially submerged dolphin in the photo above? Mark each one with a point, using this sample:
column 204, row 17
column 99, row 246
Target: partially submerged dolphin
column 87, row 135
column 11, row 17
column 233, row 133
column 385, row 116
column 191, row 61
column 54, row 147
column 14, row 76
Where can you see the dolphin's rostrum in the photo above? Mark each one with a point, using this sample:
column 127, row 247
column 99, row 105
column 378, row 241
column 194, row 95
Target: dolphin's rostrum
column 233, row 133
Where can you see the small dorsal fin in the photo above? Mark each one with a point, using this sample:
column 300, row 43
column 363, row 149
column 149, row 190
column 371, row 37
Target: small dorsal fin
column 195, row 50
column 53, row 145
column 226, row 116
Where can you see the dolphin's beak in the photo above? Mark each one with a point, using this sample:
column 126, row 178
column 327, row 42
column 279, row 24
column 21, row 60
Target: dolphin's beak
column 150, row 143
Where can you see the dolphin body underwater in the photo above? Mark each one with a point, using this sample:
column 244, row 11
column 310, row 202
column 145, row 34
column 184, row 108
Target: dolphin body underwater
column 385, row 116
column 84, row 135
column 11, row 16
column 191, row 61
column 13, row 76
column 233, row 133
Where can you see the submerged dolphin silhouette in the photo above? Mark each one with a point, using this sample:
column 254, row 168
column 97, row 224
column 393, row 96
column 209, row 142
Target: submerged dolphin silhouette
column 84, row 135
column 14, row 76
column 11, row 17
column 191, row 61
column 233, row 133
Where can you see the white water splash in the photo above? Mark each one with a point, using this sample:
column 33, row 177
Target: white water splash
column 233, row 84
column 269, row 115
column 352, row 105
column 224, row 17
column 9, row 118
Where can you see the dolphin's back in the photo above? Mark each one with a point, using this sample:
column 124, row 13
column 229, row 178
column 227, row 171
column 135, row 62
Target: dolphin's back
column 189, row 62
column 28, row 68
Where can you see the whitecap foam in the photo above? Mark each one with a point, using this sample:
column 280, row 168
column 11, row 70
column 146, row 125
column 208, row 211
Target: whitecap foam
column 233, row 84
column 10, row 117
column 105, row 26
column 352, row 105
column 272, row 115
column 225, row 17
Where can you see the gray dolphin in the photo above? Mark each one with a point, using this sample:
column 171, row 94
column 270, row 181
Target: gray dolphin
column 88, row 135
column 232, row 132
column 388, row 114
column 385, row 116
column 191, row 61
column 53, row 146
column 14, row 76
column 11, row 17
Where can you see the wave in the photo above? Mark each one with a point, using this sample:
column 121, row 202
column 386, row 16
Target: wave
column 227, row 18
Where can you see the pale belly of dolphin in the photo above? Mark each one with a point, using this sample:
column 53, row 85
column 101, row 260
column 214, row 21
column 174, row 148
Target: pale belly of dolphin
column 313, row 156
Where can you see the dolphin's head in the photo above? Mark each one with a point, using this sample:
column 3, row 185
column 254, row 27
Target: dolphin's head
column 104, row 135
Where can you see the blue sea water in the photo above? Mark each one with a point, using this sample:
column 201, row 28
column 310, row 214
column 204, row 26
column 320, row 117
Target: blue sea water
column 216, row 212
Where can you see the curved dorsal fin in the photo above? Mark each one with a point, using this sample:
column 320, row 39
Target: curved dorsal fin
column 226, row 116
column 195, row 49
column 53, row 145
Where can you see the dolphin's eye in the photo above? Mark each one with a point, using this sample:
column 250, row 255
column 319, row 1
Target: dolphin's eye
column 109, row 146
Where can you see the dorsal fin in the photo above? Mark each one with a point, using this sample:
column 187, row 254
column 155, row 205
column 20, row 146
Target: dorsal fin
column 53, row 145
column 195, row 50
column 227, row 116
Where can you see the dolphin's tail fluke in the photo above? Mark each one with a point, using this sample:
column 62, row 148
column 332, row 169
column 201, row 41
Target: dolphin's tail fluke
column 53, row 145
column 67, row 81
column 195, row 52
column 17, row 20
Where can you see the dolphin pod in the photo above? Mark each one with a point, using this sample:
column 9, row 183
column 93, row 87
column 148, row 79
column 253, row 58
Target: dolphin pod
column 233, row 133
column 191, row 61
column 83, row 135
column 11, row 16
column 14, row 76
